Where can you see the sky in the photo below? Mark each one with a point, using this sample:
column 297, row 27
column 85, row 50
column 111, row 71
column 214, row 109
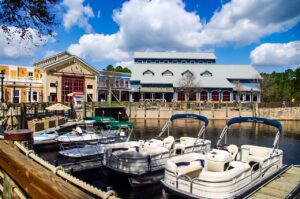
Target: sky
column 263, row 33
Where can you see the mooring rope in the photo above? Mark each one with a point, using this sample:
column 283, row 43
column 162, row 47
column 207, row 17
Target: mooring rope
column 60, row 172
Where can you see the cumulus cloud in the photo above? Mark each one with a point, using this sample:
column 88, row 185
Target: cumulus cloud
column 19, row 48
column 243, row 22
column 124, row 64
column 77, row 15
column 277, row 54
column 165, row 25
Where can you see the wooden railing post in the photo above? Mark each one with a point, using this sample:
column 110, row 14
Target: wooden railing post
column 23, row 115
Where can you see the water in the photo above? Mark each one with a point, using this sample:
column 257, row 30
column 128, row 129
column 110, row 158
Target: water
column 239, row 134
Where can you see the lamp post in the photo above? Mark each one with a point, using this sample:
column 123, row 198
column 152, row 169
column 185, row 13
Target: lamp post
column 14, row 91
column 219, row 98
column 56, row 85
column 30, row 92
column 139, row 88
column 2, row 73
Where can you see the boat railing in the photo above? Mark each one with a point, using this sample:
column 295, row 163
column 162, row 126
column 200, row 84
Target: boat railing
column 252, row 169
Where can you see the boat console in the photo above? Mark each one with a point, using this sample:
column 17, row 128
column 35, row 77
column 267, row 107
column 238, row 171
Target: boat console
column 217, row 160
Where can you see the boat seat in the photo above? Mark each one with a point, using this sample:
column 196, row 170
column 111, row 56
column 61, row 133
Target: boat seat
column 258, row 155
column 168, row 142
column 233, row 149
column 191, row 169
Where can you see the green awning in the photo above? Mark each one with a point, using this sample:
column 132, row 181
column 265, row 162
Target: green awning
column 118, row 125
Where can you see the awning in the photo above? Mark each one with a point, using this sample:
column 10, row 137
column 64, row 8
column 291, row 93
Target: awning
column 156, row 90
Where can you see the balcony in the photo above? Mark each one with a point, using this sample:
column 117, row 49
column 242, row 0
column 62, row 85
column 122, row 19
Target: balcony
column 22, row 79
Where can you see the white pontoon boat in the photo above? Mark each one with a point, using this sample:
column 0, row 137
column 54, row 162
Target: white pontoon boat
column 45, row 136
column 142, row 162
column 225, row 172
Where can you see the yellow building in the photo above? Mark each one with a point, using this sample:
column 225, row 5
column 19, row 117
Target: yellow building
column 21, row 83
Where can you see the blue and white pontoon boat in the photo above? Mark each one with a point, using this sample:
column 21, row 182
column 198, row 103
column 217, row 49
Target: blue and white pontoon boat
column 225, row 172
column 45, row 136
column 142, row 162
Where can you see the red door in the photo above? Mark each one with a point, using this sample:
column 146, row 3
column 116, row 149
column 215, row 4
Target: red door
column 71, row 84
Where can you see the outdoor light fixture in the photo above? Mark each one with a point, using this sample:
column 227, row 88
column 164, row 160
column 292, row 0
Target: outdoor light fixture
column 2, row 74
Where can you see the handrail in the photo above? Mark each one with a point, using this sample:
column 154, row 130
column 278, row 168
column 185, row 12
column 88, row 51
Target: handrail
column 59, row 171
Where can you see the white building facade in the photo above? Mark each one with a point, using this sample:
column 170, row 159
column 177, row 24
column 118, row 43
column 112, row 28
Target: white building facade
column 162, row 75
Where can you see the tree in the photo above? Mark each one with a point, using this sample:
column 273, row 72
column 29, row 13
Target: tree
column 238, row 87
column 119, row 69
column 27, row 19
column 187, row 83
column 126, row 70
column 110, row 68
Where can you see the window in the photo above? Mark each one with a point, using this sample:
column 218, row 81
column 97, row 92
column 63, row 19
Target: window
column 254, row 98
column 192, row 96
column 148, row 61
column 167, row 73
column 166, row 61
column 181, row 96
column 226, row 96
column 175, row 61
column 215, row 96
column 107, row 83
column 89, row 86
column 52, row 84
column 89, row 97
column 35, row 96
column 139, row 61
column 201, row 62
column 117, row 83
column 16, row 96
column 30, row 75
column 203, row 96
column 248, row 97
column 192, row 61
column 157, row 61
column 148, row 73
column 126, row 84
column 209, row 62
column 183, row 61
column 41, row 76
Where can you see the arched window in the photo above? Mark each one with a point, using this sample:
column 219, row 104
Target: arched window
column 192, row 96
column 203, row 96
column 226, row 96
column 215, row 96
column 181, row 96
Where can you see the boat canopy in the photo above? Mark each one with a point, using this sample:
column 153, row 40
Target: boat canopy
column 118, row 125
column 266, row 121
column 100, row 118
column 193, row 116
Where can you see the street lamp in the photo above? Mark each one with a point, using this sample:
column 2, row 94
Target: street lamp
column 2, row 73
column 30, row 92
column 56, row 85
column 14, row 91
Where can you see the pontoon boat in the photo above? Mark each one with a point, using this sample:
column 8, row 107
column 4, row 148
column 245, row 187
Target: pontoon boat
column 225, row 172
column 143, row 161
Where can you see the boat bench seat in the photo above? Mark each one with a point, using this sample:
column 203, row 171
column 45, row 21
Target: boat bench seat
column 192, row 169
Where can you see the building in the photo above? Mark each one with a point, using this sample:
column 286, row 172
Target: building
column 161, row 76
column 21, row 84
column 118, row 82
column 64, row 74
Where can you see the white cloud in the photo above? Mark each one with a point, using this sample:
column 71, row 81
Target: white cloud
column 243, row 22
column 277, row 54
column 19, row 48
column 49, row 53
column 124, row 64
column 165, row 25
column 77, row 15
column 99, row 47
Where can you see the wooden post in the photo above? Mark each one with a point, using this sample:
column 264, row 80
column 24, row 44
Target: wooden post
column 93, row 109
column 84, row 109
column 158, row 109
column 145, row 111
column 213, row 111
column 23, row 116
column 199, row 108
column 36, row 110
column 129, row 109
column 226, row 109
column 240, row 109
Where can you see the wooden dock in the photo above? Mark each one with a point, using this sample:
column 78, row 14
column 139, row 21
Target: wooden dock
column 283, row 186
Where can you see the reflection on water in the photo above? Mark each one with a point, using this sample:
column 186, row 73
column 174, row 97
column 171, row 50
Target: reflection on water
column 239, row 134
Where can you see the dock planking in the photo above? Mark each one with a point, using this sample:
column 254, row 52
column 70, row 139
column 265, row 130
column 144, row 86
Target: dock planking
column 281, row 186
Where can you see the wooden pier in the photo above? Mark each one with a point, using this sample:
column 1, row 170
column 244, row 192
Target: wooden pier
column 283, row 186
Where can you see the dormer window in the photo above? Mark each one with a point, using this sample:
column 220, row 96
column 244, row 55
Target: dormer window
column 157, row 61
column 206, row 74
column 175, row 62
column 201, row 62
column 192, row 61
column 148, row 61
column 148, row 73
column 187, row 73
column 183, row 61
column 167, row 73
column 166, row 61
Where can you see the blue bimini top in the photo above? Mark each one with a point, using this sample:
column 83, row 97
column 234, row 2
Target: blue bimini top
column 193, row 116
column 266, row 121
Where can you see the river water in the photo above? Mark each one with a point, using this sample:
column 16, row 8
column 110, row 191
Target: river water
column 239, row 134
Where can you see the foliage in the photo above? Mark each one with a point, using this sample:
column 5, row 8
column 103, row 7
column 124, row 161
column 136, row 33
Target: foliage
column 27, row 19
column 118, row 69
column 281, row 86
column 187, row 83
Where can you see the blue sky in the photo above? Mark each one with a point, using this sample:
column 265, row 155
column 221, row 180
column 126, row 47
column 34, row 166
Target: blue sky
column 264, row 33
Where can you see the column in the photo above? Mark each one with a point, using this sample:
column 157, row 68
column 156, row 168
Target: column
column 175, row 96
column 142, row 96
column 163, row 96
column 120, row 95
column 152, row 96
column 130, row 97
column 231, row 97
